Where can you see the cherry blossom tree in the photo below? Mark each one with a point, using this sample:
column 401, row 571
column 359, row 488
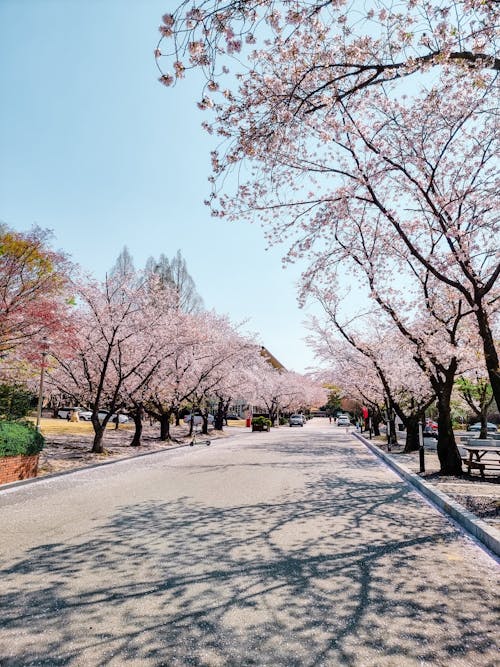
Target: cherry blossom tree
column 236, row 376
column 112, row 351
column 205, row 364
column 278, row 391
column 376, row 366
column 436, row 341
column 334, row 49
column 330, row 138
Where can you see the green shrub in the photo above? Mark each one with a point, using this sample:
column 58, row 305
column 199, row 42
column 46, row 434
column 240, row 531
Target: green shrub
column 19, row 438
column 261, row 421
column 15, row 401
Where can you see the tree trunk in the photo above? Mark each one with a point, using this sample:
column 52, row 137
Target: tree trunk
column 97, row 446
column 376, row 420
column 219, row 417
column 484, row 426
column 490, row 353
column 412, row 443
column 448, row 454
column 204, row 423
column 165, row 426
column 137, row 417
column 392, row 437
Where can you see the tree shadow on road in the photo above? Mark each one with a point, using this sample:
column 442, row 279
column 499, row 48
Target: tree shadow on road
column 350, row 572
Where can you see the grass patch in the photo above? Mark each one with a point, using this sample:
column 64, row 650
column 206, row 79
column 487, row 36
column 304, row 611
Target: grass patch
column 64, row 427
column 236, row 422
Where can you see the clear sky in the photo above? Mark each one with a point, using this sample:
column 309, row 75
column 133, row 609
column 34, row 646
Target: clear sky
column 94, row 148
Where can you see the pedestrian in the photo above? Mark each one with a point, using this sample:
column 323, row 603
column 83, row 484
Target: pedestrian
column 330, row 418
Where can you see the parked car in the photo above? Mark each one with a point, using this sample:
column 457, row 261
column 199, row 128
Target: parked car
column 198, row 419
column 64, row 413
column 233, row 416
column 491, row 428
column 296, row 420
column 430, row 430
column 122, row 419
column 343, row 420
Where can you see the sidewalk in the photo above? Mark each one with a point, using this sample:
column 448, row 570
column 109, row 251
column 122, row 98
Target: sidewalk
column 482, row 497
column 471, row 501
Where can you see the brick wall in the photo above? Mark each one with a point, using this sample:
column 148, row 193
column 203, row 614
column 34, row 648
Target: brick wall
column 13, row 468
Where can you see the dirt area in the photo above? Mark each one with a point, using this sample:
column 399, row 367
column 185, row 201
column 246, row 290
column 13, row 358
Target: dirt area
column 66, row 449
column 479, row 496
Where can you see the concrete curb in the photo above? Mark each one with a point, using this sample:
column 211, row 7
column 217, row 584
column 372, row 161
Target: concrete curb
column 62, row 473
column 72, row 471
column 478, row 528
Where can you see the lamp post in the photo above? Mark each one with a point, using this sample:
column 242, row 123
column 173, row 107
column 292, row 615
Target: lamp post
column 45, row 351
column 421, row 451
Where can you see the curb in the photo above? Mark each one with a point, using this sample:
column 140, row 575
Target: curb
column 72, row 471
column 52, row 475
column 487, row 535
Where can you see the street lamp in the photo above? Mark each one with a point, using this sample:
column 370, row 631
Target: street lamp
column 45, row 351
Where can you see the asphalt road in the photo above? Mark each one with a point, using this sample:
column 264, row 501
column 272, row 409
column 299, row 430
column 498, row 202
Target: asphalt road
column 292, row 548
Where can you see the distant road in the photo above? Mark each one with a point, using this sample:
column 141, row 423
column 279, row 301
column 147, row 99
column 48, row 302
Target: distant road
column 293, row 548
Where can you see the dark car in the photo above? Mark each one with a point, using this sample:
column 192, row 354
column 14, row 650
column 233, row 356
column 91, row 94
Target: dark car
column 491, row 428
column 233, row 416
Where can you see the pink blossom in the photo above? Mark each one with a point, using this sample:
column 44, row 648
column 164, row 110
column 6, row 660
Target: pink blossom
column 166, row 79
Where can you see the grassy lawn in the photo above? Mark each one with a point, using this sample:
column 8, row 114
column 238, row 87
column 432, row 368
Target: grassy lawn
column 236, row 422
column 64, row 427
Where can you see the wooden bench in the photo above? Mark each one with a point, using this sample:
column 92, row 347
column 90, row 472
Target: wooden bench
column 485, row 464
column 481, row 458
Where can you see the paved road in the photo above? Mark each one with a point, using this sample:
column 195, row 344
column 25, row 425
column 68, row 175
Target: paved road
column 295, row 548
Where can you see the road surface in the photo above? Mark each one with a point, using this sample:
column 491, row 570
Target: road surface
column 291, row 548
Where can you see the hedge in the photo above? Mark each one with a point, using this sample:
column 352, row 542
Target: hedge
column 261, row 421
column 19, row 438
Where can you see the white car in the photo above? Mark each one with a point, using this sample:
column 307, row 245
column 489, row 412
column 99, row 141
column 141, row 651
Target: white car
column 198, row 419
column 122, row 419
column 296, row 420
column 343, row 420
column 64, row 413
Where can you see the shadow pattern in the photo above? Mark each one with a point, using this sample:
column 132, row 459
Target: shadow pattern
column 347, row 568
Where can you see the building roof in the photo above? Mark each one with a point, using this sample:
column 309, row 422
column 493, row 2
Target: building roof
column 270, row 358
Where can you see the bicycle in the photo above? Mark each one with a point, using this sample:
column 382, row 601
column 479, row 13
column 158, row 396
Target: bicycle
column 194, row 441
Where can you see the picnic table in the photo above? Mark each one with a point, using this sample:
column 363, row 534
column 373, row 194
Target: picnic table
column 482, row 456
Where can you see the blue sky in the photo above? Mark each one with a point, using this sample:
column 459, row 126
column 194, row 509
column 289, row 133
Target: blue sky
column 94, row 148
